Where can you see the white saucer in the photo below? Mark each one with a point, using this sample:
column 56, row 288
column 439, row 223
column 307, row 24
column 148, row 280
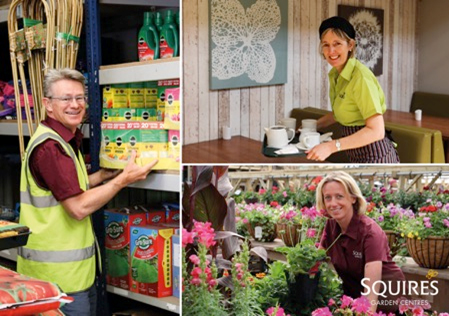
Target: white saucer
column 301, row 146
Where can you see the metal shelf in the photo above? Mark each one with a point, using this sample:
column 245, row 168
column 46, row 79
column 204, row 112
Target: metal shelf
column 160, row 182
column 152, row 70
column 156, row 3
column 169, row 303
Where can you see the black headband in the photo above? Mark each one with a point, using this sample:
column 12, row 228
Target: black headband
column 340, row 23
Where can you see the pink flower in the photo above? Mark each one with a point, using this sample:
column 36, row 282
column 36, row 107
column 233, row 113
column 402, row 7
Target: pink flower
column 418, row 311
column 403, row 309
column 187, row 238
column 205, row 233
column 245, row 221
column 262, row 191
column 380, row 314
column 331, row 302
column 361, row 305
column 194, row 259
column 196, row 272
column 270, row 311
column 324, row 311
column 195, row 281
column 443, row 314
column 446, row 223
column 346, row 301
column 311, row 232
column 284, row 194
column 212, row 283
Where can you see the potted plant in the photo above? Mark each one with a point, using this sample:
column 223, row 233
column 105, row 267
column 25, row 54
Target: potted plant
column 296, row 224
column 260, row 220
column 428, row 235
column 251, row 197
column 302, row 272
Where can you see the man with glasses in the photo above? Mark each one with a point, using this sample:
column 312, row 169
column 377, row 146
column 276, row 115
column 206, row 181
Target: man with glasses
column 58, row 196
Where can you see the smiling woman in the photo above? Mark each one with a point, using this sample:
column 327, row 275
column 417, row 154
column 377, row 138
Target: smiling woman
column 357, row 100
column 359, row 246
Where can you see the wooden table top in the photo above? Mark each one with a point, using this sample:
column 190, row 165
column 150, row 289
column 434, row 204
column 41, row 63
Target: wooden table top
column 237, row 150
column 407, row 118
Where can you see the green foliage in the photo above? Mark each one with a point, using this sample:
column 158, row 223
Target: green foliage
column 144, row 271
column 428, row 224
column 273, row 287
column 117, row 262
column 302, row 257
column 305, row 196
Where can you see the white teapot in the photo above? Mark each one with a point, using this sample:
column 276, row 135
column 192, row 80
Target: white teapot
column 277, row 136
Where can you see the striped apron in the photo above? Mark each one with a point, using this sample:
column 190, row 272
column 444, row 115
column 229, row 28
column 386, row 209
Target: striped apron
column 381, row 151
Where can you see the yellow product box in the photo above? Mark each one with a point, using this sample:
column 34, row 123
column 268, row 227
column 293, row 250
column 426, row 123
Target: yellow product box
column 172, row 109
column 162, row 86
column 145, row 115
column 154, row 144
column 107, row 97
column 110, row 115
column 126, row 115
column 136, row 95
column 120, row 96
column 150, row 94
column 107, row 147
column 174, row 149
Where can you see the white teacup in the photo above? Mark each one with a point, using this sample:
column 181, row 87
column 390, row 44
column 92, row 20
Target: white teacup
column 304, row 132
column 311, row 139
column 309, row 124
column 289, row 122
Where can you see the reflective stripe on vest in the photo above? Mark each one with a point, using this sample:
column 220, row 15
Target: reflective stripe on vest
column 37, row 201
column 57, row 256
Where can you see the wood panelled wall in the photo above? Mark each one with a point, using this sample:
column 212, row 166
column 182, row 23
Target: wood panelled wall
column 248, row 110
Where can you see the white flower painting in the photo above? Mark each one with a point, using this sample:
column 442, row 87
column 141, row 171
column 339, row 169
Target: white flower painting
column 242, row 40
column 368, row 25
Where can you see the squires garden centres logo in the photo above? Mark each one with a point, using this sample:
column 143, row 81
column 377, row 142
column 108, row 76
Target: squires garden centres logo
column 403, row 289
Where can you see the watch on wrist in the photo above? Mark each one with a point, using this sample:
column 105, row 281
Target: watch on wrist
column 337, row 144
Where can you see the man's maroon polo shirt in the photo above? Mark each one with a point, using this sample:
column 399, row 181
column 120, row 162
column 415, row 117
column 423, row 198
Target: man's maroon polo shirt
column 52, row 168
column 363, row 242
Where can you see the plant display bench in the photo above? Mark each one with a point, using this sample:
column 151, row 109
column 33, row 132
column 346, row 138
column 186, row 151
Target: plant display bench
column 414, row 272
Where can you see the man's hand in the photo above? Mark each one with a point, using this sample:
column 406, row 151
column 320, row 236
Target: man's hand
column 133, row 172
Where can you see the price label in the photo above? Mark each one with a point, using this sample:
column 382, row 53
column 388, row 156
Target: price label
column 258, row 232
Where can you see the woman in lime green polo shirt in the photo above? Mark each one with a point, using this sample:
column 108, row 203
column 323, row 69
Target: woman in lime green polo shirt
column 357, row 100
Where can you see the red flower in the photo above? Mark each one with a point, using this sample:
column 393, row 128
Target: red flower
column 311, row 187
column 317, row 180
column 274, row 204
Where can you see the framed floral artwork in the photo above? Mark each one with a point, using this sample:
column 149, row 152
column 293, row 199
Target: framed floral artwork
column 369, row 29
column 247, row 43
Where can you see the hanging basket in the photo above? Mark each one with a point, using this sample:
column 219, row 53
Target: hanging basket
column 268, row 231
column 392, row 237
column 251, row 200
column 431, row 253
column 290, row 234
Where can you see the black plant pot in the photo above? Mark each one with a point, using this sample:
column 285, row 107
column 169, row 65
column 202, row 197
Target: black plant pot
column 304, row 289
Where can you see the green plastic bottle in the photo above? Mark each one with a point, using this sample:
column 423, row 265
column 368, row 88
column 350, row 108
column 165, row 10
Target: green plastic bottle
column 158, row 21
column 169, row 37
column 148, row 39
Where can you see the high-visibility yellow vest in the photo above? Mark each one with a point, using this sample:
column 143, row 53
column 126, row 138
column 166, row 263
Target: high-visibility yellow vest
column 60, row 249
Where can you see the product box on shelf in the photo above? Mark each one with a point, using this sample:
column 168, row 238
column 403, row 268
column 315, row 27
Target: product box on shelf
column 176, row 266
column 150, row 94
column 136, row 95
column 146, row 114
column 151, row 260
column 117, row 244
column 162, row 86
column 149, row 139
column 172, row 109
column 172, row 213
column 174, row 148
column 115, row 96
column 155, row 214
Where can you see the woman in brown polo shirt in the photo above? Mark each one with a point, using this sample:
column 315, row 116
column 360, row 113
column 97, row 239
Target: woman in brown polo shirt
column 360, row 252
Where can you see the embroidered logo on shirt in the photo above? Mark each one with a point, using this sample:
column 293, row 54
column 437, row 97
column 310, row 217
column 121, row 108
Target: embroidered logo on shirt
column 342, row 95
column 357, row 254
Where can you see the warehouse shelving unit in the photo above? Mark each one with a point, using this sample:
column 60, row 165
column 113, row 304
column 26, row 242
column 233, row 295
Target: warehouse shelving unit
column 124, row 73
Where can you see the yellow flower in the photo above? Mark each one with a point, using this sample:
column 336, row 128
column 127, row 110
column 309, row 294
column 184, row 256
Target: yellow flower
column 416, row 234
column 410, row 235
column 431, row 274
column 419, row 238
column 402, row 234
column 260, row 275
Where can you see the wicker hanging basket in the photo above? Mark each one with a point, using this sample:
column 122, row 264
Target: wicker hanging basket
column 431, row 253
column 290, row 234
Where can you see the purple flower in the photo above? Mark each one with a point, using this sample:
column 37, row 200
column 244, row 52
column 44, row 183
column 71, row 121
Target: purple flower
column 380, row 218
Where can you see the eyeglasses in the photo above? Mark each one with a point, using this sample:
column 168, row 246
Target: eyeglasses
column 68, row 100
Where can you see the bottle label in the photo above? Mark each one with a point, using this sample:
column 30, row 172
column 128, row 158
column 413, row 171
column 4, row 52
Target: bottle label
column 145, row 52
column 165, row 50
